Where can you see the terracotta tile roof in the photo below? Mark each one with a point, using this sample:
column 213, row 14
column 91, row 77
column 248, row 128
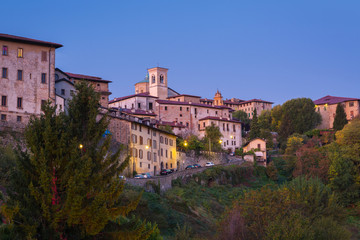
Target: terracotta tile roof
column 13, row 38
column 145, row 94
column 234, row 103
column 191, row 104
column 206, row 100
column 333, row 100
column 137, row 112
column 219, row 119
column 184, row 95
column 256, row 100
column 86, row 77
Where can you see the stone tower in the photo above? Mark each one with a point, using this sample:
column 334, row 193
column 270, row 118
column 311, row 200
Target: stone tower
column 158, row 85
column 218, row 99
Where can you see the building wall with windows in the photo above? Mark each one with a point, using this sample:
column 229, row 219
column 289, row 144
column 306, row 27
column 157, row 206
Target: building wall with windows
column 259, row 144
column 249, row 106
column 230, row 129
column 151, row 149
column 141, row 101
column 27, row 77
column 326, row 106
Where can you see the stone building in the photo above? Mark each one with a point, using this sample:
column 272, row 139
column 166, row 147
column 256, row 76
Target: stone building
column 257, row 145
column 326, row 106
column 151, row 149
column 100, row 85
column 27, row 78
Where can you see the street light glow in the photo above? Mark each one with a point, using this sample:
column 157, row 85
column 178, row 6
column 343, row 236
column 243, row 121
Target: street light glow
column 185, row 143
column 81, row 146
column 147, row 147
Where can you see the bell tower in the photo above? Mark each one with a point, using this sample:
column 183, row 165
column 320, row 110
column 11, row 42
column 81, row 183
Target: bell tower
column 158, row 86
column 218, row 99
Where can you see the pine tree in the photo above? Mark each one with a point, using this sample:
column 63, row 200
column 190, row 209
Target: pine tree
column 340, row 118
column 68, row 186
column 254, row 126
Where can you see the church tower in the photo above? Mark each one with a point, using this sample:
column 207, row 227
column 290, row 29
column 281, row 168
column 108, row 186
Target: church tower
column 218, row 99
column 158, row 85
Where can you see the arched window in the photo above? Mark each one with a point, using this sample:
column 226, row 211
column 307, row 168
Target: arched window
column 153, row 79
column 161, row 79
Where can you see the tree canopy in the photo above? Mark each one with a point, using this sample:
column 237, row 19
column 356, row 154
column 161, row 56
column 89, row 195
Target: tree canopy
column 340, row 117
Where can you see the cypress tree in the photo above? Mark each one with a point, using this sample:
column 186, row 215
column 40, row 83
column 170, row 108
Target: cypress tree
column 68, row 187
column 340, row 118
column 254, row 126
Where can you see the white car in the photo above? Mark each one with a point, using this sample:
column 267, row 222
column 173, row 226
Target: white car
column 209, row 164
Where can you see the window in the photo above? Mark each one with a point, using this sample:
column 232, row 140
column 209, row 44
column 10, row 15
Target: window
column 139, row 128
column 134, row 138
column 133, row 126
column 153, row 79
column 165, row 108
column 162, row 152
column 154, row 144
column 20, row 52
column 166, row 141
column 351, row 104
column 4, row 73
column 140, row 153
column 207, row 111
column 195, row 111
column 134, row 152
column 171, row 155
column 215, row 112
column 180, row 108
column 149, row 143
column 148, row 155
column 19, row 102
column 187, row 124
column 161, row 79
column 234, row 128
column 5, row 51
column 161, row 139
column 352, row 114
column 187, row 109
column 62, row 91
column 154, row 157
column 154, row 133
column 3, row 117
column 148, row 130
column 140, row 164
column 43, row 56
column 150, row 106
column 259, row 146
column 20, row 75
column 148, row 166
column 18, row 118
column 3, row 101
column 166, row 153
column 139, row 105
column 141, row 140
column 43, row 78
column 171, row 142
column 180, row 115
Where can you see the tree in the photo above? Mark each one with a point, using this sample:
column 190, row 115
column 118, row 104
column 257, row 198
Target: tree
column 212, row 138
column 166, row 128
column 276, row 116
column 298, row 116
column 68, row 187
column 254, row 126
column 340, row 117
column 243, row 117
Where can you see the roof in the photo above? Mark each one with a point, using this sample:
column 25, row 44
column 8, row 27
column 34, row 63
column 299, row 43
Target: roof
column 253, row 140
column 137, row 112
column 206, row 100
column 219, row 119
column 86, row 77
column 333, row 100
column 184, row 95
column 190, row 103
column 234, row 102
column 173, row 90
column 65, row 80
column 145, row 94
column 13, row 38
column 256, row 100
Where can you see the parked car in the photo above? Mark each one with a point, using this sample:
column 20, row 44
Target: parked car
column 197, row 165
column 209, row 164
column 165, row 172
column 190, row 167
column 147, row 175
column 140, row 176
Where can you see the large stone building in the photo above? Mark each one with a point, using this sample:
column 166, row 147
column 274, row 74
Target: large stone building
column 326, row 106
column 27, row 78
column 151, row 149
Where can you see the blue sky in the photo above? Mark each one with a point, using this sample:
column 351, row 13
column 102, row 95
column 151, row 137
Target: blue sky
column 274, row 50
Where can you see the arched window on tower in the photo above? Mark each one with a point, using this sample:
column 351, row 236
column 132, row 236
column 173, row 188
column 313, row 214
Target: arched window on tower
column 153, row 79
column 161, row 78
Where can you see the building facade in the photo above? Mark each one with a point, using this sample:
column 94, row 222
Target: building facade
column 27, row 78
column 151, row 149
column 326, row 107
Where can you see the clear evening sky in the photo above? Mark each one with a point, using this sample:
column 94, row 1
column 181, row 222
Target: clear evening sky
column 269, row 49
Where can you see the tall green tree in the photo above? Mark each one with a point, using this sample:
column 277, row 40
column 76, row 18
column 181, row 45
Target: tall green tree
column 68, row 187
column 254, row 126
column 243, row 117
column 212, row 138
column 340, row 117
column 298, row 116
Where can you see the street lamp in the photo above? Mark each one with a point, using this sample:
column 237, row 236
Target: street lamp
column 81, row 146
column 185, row 143
column 220, row 141
column 147, row 147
